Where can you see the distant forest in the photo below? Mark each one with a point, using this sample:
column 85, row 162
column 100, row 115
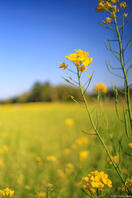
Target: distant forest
column 45, row 92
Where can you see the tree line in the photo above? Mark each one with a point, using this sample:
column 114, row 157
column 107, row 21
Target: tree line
column 45, row 92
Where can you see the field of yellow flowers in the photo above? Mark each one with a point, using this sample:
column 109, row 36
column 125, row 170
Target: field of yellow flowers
column 47, row 150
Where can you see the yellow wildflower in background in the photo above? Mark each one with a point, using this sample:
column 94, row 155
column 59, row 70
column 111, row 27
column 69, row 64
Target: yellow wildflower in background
column 51, row 158
column 42, row 194
column 123, row 5
column 83, row 155
column 5, row 148
column 69, row 168
column 130, row 145
column 114, row 1
column 7, row 192
column 128, row 185
column 69, row 122
column 96, row 180
column 63, row 65
column 81, row 141
column 114, row 158
column 100, row 87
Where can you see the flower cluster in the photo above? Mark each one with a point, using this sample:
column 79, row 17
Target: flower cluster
column 100, row 87
column 110, row 6
column 127, row 186
column 80, row 58
column 7, row 192
column 96, row 180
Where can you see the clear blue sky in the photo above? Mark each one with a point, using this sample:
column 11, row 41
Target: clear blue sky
column 36, row 35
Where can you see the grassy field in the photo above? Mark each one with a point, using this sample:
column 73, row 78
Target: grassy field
column 44, row 146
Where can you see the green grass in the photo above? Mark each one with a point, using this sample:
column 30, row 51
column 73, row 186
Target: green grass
column 34, row 131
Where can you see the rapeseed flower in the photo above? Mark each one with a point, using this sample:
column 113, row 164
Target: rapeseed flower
column 100, row 87
column 123, row 5
column 83, row 155
column 42, row 194
column 96, row 180
column 127, row 186
column 7, row 192
column 100, row 7
column 69, row 122
column 81, row 59
column 69, row 168
column 51, row 158
column 114, row 158
column 81, row 141
column 63, row 66
column 107, row 20
column 114, row 1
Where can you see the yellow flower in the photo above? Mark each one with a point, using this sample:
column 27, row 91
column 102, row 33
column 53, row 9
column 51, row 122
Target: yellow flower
column 69, row 168
column 128, row 185
column 83, row 155
column 100, row 87
column 50, row 186
column 125, row 15
column 100, row 7
column 114, row 8
column 107, row 5
column 114, row 158
column 112, row 14
column 130, row 145
column 81, row 141
column 69, row 122
column 81, row 59
column 96, row 180
column 63, row 65
column 90, row 75
column 123, row 5
column 51, row 158
column 7, row 192
column 42, row 194
column 27, row 187
column 1, row 162
column 107, row 20
column 5, row 148
column 82, row 68
column 114, row 1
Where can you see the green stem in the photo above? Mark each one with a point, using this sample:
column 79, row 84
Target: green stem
column 96, row 130
column 127, row 91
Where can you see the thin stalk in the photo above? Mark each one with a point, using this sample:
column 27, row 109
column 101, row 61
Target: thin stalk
column 127, row 91
column 96, row 130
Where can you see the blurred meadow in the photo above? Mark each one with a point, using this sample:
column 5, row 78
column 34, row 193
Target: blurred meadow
column 45, row 145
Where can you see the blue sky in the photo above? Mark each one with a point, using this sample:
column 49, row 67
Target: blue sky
column 36, row 35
